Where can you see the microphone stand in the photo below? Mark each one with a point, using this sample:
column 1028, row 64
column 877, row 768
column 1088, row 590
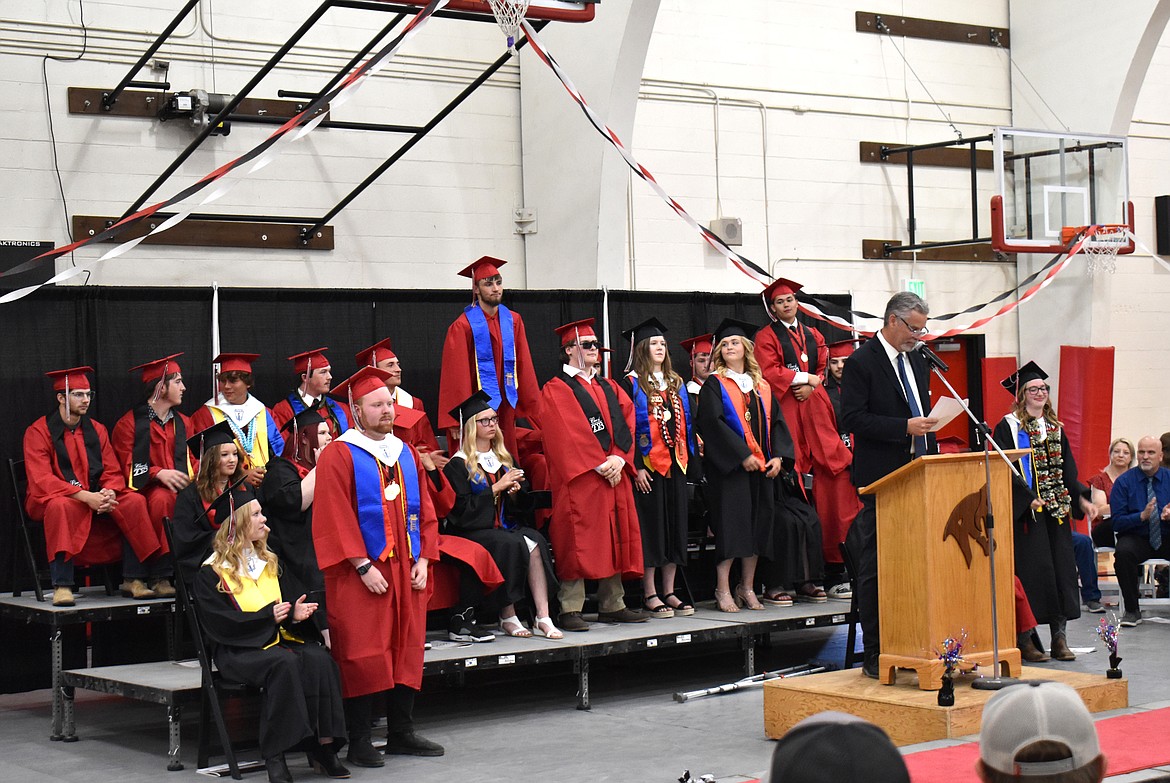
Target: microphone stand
column 995, row 682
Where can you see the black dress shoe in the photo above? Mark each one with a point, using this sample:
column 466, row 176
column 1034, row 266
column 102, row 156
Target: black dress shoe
column 324, row 761
column 362, row 753
column 870, row 667
column 407, row 743
column 277, row 769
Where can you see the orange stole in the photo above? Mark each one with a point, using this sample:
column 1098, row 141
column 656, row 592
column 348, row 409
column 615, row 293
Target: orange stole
column 660, row 457
column 739, row 402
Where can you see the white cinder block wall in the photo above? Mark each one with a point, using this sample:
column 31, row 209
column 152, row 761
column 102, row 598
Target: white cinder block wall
column 796, row 71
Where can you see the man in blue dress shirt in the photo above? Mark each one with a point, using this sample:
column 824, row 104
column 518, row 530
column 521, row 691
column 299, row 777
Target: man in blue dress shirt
column 1140, row 503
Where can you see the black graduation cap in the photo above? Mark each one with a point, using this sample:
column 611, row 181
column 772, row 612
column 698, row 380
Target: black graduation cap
column 236, row 495
column 651, row 327
column 1029, row 372
column 215, row 435
column 733, row 327
column 477, row 403
column 309, row 417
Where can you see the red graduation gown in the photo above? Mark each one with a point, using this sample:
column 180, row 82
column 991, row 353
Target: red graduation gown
column 414, row 426
column 458, row 378
column 377, row 640
column 68, row 521
column 160, row 501
column 594, row 529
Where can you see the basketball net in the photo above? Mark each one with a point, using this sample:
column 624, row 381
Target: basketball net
column 509, row 16
column 1101, row 246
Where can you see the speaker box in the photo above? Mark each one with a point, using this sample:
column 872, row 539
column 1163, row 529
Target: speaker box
column 1162, row 222
column 729, row 229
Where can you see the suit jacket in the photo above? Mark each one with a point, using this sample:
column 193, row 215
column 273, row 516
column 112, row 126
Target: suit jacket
column 874, row 409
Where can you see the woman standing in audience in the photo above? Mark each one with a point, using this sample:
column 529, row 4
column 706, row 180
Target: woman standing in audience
column 664, row 447
column 266, row 641
column 1121, row 454
column 1043, row 504
column 288, row 489
column 492, row 500
column 203, row 505
column 745, row 440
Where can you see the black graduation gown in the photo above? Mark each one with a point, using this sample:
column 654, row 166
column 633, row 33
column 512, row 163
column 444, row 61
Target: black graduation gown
column 1045, row 562
column 798, row 537
column 301, row 684
column 742, row 505
column 193, row 531
column 292, row 533
column 474, row 516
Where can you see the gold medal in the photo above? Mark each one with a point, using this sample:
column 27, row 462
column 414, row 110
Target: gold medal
column 804, row 358
column 747, row 414
column 392, row 491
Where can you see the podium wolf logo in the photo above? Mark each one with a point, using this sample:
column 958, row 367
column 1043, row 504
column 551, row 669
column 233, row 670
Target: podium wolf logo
column 966, row 524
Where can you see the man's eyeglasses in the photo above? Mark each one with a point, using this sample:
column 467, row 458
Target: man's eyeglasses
column 1038, row 389
column 913, row 331
column 488, row 422
column 589, row 345
column 82, row 395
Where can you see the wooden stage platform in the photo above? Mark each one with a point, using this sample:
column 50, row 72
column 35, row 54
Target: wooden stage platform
column 910, row 715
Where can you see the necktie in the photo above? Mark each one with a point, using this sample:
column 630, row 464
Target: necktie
column 915, row 411
column 1155, row 515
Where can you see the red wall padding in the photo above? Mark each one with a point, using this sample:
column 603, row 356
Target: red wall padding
column 1086, row 404
column 997, row 401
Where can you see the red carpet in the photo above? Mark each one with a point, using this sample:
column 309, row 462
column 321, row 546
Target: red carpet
column 1125, row 741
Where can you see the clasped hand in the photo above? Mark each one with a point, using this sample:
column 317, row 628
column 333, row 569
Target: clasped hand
column 302, row 610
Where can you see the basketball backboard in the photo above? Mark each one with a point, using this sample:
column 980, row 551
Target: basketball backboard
column 553, row 10
column 1048, row 181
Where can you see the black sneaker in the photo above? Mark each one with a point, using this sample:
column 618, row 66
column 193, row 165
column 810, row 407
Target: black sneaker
column 1094, row 607
column 407, row 743
column 464, row 628
column 1131, row 619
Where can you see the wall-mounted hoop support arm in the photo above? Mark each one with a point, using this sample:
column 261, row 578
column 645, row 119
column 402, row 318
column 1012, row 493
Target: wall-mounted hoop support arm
column 110, row 98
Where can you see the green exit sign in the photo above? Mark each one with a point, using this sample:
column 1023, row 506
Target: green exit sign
column 916, row 286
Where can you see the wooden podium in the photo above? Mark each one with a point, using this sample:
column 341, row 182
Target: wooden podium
column 934, row 579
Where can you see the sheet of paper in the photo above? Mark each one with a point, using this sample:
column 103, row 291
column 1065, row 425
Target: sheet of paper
column 944, row 410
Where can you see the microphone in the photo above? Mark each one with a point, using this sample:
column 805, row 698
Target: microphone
column 930, row 356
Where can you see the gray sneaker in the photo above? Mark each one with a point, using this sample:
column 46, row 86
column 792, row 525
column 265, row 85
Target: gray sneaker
column 1130, row 619
column 1094, row 607
column 841, row 592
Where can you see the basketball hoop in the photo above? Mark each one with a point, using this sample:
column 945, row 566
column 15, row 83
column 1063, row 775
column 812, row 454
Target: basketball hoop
column 1101, row 246
column 509, row 16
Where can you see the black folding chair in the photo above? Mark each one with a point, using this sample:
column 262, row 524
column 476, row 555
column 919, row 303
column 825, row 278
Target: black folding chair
column 852, row 616
column 28, row 527
column 212, row 683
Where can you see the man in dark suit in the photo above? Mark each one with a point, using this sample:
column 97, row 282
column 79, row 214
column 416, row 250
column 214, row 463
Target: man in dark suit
column 885, row 402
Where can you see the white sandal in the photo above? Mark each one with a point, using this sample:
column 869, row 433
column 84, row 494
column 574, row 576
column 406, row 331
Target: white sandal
column 544, row 627
column 513, row 627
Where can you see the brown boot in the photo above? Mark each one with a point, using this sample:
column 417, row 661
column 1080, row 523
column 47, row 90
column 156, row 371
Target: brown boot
column 163, row 589
column 137, row 589
column 1060, row 650
column 1029, row 651
column 62, row 596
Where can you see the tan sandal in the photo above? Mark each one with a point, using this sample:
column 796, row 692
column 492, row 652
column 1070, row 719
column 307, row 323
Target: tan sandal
column 725, row 602
column 748, row 596
column 513, row 627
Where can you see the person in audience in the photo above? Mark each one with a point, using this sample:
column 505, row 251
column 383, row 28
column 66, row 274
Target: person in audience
column 745, row 445
column 375, row 533
column 492, row 503
column 1044, row 504
column 1121, row 459
column 836, row 747
column 1140, row 503
column 260, row 624
column 151, row 443
column 664, row 432
column 885, row 402
column 411, row 422
column 487, row 348
column 74, row 476
column 289, row 487
column 1039, row 731
column 203, row 505
column 315, row 376
column 252, row 424
column 588, row 439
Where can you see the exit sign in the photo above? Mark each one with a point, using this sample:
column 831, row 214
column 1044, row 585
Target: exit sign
column 915, row 286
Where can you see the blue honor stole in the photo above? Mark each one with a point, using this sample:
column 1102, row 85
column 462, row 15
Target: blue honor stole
column 736, row 423
column 367, row 475
column 479, row 485
column 1024, row 441
column 485, row 359
column 642, row 417
column 298, row 407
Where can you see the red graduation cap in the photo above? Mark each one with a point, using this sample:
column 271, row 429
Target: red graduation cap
column 485, row 266
column 159, row 368
column 309, row 360
column 575, row 331
column 235, row 362
column 700, row 344
column 361, row 383
column 843, row 349
column 73, row 378
column 780, row 287
column 378, row 352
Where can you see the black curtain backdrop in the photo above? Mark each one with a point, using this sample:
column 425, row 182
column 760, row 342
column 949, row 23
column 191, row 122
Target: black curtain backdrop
column 115, row 328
